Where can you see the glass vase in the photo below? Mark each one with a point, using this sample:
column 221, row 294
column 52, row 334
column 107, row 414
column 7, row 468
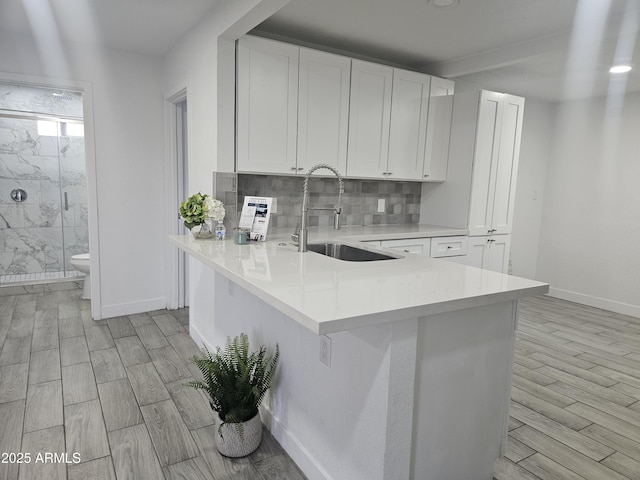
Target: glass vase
column 203, row 230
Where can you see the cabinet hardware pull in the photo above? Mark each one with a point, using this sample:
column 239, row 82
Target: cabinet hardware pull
column 300, row 168
column 407, row 251
column 293, row 168
column 426, row 176
column 449, row 246
column 389, row 173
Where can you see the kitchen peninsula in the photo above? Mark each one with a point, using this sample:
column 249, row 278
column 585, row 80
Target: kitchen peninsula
column 413, row 379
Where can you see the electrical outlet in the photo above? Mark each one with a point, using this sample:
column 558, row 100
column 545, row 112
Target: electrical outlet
column 325, row 350
column 381, row 205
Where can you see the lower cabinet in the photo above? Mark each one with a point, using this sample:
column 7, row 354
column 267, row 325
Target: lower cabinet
column 490, row 252
column 420, row 246
column 447, row 247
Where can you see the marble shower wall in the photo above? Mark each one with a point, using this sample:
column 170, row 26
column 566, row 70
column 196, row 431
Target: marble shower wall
column 38, row 234
column 24, row 98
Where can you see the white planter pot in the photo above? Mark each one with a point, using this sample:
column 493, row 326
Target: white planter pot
column 231, row 444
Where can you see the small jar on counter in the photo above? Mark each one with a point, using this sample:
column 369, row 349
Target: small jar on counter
column 241, row 236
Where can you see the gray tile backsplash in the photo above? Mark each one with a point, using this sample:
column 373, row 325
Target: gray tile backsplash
column 359, row 201
column 225, row 189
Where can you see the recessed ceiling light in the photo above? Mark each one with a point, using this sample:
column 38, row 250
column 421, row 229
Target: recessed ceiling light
column 443, row 3
column 620, row 69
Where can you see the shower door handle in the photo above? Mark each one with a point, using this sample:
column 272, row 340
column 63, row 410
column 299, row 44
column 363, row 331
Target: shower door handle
column 66, row 201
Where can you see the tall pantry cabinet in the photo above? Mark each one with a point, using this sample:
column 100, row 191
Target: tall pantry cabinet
column 493, row 179
column 479, row 193
column 495, row 163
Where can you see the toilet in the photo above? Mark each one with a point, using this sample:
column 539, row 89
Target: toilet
column 81, row 263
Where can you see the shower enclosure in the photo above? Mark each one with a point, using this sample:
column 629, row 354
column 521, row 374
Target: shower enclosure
column 43, row 197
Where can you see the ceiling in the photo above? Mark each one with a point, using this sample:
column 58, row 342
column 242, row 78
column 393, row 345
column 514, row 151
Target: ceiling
column 549, row 49
column 144, row 26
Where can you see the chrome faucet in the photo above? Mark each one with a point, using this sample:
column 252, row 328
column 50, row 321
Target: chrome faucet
column 301, row 236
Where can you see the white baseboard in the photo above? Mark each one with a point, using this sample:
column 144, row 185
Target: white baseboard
column 298, row 453
column 195, row 335
column 603, row 303
column 110, row 311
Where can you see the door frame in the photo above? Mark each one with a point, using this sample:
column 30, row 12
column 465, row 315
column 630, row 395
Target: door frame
column 177, row 163
column 90, row 163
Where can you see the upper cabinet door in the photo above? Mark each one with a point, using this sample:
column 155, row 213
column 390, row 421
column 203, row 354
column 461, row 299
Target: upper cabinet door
column 267, row 106
column 436, row 157
column 408, row 126
column 323, row 110
column 370, row 108
column 507, row 168
column 485, row 162
column 495, row 163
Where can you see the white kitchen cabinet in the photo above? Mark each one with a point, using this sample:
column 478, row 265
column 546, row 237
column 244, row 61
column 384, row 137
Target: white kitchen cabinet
column 408, row 125
column 323, row 109
column 495, row 164
column 438, row 134
column 297, row 107
column 490, row 252
column 267, row 106
column 387, row 122
column 420, row 246
column 369, row 118
column 448, row 246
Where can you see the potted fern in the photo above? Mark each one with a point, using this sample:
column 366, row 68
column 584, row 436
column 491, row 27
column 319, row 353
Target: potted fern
column 236, row 381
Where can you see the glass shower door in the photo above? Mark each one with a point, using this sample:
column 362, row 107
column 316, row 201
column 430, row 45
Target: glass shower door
column 73, row 192
column 41, row 166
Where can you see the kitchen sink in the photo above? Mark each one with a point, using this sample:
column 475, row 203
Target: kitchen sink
column 347, row 252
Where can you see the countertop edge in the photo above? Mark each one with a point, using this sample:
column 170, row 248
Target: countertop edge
column 367, row 319
column 334, row 326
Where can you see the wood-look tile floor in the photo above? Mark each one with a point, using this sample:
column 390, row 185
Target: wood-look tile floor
column 113, row 393
column 575, row 409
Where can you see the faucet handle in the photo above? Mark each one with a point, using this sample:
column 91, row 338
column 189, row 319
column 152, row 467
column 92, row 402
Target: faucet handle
column 295, row 236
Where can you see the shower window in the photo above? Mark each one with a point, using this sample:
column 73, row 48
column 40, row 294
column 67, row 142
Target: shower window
column 43, row 196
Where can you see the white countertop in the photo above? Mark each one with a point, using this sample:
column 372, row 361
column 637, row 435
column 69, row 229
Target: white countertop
column 372, row 232
column 327, row 295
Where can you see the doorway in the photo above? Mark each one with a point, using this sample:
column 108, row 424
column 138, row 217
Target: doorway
column 176, row 114
column 43, row 184
column 182, row 173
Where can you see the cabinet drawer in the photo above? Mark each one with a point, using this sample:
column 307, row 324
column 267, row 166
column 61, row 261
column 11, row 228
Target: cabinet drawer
column 448, row 246
column 421, row 246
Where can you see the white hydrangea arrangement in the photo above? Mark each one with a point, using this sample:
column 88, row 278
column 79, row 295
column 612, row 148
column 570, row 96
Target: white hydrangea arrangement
column 215, row 209
column 198, row 207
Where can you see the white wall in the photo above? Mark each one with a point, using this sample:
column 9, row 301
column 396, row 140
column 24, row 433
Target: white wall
column 535, row 147
column 591, row 216
column 128, row 121
column 203, row 64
